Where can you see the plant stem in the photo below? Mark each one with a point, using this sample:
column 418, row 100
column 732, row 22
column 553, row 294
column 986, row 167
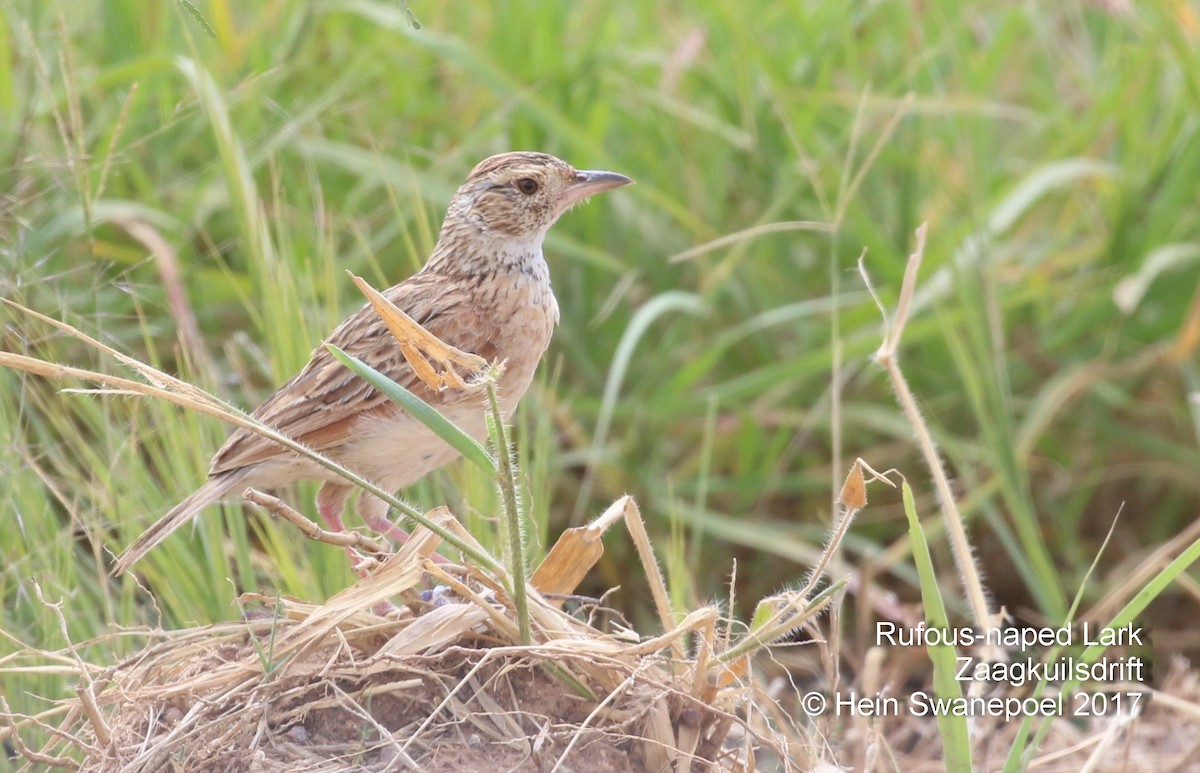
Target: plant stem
column 512, row 518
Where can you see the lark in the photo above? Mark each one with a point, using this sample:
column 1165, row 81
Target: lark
column 485, row 290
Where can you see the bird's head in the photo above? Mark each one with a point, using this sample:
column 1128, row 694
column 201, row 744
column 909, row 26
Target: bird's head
column 516, row 197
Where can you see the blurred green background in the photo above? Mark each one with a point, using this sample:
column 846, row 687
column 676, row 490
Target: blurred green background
column 194, row 200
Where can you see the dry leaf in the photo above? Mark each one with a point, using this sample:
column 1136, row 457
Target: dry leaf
column 420, row 347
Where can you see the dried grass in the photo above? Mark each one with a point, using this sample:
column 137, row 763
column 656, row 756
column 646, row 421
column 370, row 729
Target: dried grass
column 436, row 683
column 418, row 667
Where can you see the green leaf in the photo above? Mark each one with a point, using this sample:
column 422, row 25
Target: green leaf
column 194, row 12
column 956, row 742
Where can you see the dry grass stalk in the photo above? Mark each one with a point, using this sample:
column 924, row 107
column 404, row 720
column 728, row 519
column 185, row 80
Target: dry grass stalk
column 888, row 355
column 440, row 684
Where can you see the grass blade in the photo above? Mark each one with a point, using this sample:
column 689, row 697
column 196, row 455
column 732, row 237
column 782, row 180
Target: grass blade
column 956, row 742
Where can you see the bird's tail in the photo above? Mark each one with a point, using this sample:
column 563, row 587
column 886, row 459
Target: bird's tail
column 213, row 490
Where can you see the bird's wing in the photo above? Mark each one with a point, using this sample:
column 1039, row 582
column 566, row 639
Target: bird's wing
column 318, row 406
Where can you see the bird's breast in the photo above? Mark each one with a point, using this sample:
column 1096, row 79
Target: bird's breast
column 523, row 316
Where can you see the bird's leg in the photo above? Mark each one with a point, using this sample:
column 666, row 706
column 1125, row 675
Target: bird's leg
column 331, row 503
column 374, row 514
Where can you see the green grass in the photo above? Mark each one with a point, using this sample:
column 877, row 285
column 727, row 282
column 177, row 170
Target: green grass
column 1052, row 147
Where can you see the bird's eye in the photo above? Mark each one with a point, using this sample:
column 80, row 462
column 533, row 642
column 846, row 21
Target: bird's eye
column 528, row 186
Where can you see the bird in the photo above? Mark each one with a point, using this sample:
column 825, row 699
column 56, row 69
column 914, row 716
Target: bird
column 485, row 289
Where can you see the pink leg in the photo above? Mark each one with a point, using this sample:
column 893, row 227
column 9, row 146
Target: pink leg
column 374, row 513
column 331, row 503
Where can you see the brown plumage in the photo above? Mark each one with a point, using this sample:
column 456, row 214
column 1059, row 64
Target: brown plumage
column 485, row 290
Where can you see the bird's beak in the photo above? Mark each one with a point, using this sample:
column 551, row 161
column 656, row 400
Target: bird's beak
column 591, row 182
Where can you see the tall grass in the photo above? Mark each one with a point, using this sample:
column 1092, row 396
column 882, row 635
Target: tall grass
column 1052, row 147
